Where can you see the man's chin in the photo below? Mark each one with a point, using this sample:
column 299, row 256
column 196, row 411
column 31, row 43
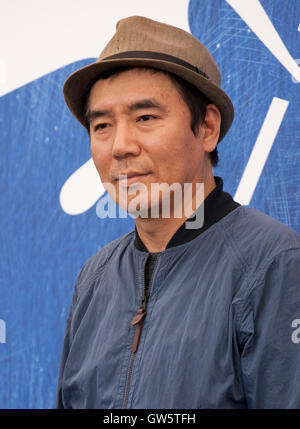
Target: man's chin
column 141, row 211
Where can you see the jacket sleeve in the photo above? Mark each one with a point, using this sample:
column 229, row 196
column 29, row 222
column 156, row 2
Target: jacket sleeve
column 270, row 333
column 65, row 350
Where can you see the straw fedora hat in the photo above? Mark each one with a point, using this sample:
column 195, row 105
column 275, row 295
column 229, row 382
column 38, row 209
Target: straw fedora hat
column 139, row 41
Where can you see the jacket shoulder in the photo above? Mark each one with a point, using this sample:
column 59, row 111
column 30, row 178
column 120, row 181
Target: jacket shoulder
column 259, row 238
column 94, row 265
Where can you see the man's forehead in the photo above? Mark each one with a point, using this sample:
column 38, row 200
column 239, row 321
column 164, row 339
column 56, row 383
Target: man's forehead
column 134, row 90
column 131, row 74
column 114, row 72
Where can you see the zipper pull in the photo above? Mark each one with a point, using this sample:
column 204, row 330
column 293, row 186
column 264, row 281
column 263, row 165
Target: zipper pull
column 138, row 321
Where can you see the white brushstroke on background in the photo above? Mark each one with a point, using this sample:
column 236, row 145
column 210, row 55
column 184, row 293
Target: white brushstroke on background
column 38, row 37
column 81, row 190
column 261, row 150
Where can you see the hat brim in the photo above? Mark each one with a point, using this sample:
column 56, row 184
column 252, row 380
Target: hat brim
column 78, row 84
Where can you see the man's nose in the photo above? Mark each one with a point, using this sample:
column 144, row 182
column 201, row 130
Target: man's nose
column 125, row 141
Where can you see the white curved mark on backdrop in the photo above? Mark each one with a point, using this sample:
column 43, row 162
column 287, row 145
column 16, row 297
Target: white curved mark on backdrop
column 81, row 190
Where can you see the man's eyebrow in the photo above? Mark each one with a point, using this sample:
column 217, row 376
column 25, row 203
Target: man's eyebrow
column 146, row 104
column 94, row 114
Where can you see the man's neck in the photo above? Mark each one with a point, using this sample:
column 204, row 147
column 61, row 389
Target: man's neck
column 155, row 233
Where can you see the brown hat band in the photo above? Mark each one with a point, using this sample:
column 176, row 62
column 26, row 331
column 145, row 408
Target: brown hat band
column 156, row 56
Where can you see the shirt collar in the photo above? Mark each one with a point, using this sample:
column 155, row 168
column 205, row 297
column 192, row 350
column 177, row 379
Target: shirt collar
column 216, row 205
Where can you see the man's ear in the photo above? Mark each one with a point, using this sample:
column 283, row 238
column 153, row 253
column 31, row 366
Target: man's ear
column 211, row 128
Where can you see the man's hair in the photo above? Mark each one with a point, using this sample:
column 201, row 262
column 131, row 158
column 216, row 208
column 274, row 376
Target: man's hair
column 193, row 98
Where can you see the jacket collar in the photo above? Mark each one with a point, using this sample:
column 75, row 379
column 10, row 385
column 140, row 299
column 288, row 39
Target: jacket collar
column 216, row 205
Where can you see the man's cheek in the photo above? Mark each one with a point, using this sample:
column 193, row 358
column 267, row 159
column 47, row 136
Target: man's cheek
column 100, row 165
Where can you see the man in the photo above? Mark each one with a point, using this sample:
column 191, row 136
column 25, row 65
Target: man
column 171, row 315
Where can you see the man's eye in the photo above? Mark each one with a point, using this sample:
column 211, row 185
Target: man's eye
column 101, row 126
column 145, row 118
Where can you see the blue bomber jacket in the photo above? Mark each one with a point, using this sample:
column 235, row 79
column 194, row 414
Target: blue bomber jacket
column 213, row 323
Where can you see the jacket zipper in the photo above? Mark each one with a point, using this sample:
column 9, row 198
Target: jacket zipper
column 137, row 321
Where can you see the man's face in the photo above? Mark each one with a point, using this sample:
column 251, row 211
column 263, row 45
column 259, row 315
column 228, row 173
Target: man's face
column 141, row 126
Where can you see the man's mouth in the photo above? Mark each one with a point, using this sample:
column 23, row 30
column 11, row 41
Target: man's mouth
column 131, row 177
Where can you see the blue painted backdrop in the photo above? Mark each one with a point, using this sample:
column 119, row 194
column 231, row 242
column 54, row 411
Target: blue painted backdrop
column 42, row 248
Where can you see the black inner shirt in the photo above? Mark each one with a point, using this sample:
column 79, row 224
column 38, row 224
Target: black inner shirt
column 216, row 205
